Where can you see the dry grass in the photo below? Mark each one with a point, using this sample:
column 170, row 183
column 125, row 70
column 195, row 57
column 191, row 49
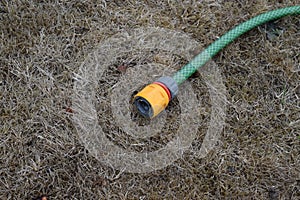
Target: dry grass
column 42, row 45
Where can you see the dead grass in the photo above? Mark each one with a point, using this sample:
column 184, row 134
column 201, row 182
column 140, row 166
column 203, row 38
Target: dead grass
column 42, row 44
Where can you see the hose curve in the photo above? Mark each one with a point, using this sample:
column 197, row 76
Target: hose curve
column 186, row 71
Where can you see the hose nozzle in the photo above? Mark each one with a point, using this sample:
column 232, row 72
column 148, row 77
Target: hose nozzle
column 155, row 97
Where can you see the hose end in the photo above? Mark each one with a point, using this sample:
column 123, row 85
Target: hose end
column 155, row 97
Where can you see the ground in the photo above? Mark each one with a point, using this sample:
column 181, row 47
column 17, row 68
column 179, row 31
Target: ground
column 43, row 44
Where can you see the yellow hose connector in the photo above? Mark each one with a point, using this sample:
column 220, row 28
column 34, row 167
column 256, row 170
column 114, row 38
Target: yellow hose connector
column 155, row 97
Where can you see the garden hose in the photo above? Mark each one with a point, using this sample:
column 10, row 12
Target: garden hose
column 155, row 97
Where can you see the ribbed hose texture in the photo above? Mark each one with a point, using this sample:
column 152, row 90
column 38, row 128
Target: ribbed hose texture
column 200, row 60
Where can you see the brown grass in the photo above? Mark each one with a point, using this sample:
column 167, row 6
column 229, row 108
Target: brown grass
column 43, row 43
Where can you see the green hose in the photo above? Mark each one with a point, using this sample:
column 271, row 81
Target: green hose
column 155, row 97
column 200, row 60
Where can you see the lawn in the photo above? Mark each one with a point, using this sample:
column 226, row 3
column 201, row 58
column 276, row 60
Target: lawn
column 46, row 50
